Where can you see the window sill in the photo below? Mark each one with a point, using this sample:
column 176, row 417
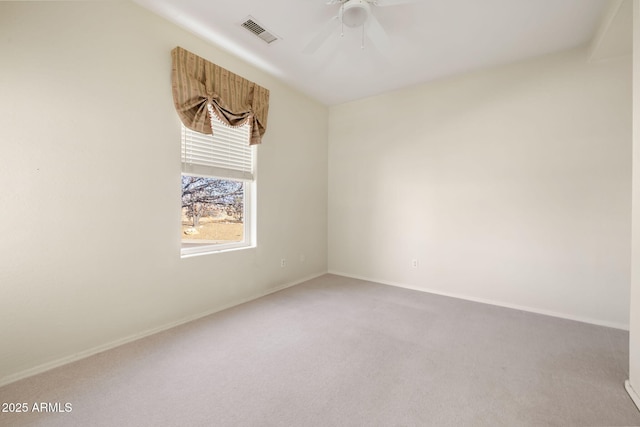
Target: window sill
column 210, row 250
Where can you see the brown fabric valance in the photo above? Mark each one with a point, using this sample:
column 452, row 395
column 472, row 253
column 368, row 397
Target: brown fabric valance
column 196, row 83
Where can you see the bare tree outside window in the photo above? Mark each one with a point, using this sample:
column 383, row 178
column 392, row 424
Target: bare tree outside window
column 212, row 210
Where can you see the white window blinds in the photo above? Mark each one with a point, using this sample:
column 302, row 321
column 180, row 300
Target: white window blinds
column 225, row 154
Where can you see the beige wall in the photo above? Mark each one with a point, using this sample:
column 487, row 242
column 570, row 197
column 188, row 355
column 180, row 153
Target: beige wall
column 90, row 170
column 510, row 185
column 633, row 385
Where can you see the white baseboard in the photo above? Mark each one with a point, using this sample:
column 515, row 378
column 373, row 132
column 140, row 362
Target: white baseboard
column 582, row 319
column 117, row 343
column 632, row 393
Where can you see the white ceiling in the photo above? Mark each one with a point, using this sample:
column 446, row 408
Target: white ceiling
column 430, row 39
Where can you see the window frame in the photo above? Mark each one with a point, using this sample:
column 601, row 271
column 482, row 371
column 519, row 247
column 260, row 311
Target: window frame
column 249, row 214
column 249, row 202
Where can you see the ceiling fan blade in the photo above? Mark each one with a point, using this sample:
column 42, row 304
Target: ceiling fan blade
column 377, row 34
column 384, row 3
column 322, row 36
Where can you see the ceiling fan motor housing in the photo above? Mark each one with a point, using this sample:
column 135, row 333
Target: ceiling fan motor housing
column 354, row 13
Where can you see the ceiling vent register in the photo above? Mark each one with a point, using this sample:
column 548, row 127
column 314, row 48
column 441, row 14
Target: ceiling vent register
column 251, row 25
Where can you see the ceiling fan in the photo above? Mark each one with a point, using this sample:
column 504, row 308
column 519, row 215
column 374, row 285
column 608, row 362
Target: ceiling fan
column 354, row 14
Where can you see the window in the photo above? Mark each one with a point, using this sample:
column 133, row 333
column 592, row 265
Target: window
column 217, row 187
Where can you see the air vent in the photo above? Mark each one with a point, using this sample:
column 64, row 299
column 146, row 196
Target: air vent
column 257, row 29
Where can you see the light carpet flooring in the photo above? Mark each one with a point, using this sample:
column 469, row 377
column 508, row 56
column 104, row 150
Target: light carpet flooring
column 336, row 351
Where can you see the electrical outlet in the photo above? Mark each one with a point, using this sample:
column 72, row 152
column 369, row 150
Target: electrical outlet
column 283, row 262
column 414, row 263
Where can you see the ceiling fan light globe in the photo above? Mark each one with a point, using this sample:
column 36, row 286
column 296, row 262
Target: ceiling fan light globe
column 354, row 13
